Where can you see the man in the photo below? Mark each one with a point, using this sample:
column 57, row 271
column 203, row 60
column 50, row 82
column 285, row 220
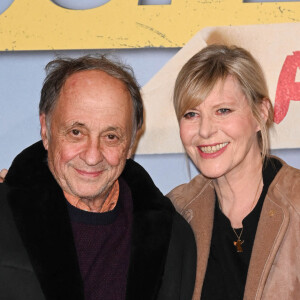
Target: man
column 78, row 218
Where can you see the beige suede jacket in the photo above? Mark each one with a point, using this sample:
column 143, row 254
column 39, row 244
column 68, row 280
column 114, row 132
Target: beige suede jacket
column 274, row 270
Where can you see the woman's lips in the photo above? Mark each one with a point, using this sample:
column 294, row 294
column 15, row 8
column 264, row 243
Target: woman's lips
column 213, row 150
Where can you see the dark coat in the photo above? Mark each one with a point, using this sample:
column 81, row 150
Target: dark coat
column 37, row 253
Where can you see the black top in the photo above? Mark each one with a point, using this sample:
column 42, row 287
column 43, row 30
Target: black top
column 227, row 269
column 102, row 243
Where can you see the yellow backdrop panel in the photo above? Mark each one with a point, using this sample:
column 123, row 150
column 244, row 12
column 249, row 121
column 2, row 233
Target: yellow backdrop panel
column 43, row 25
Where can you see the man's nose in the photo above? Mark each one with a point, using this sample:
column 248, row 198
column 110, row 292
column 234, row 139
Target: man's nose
column 92, row 154
column 207, row 126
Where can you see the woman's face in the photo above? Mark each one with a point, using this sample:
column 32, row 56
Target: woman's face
column 219, row 134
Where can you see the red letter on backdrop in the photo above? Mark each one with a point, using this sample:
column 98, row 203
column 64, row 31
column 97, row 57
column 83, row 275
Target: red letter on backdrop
column 287, row 88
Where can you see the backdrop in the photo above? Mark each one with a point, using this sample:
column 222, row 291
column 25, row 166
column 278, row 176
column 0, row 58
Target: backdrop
column 149, row 35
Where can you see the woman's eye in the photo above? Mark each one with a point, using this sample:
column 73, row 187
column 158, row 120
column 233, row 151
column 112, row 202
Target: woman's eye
column 223, row 111
column 190, row 115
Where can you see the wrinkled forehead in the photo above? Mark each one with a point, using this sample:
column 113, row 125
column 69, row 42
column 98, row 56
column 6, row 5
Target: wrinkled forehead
column 90, row 93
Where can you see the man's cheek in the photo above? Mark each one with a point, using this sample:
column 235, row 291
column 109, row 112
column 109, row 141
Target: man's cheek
column 116, row 158
column 68, row 153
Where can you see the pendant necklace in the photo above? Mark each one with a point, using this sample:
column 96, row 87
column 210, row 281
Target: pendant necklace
column 238, row 243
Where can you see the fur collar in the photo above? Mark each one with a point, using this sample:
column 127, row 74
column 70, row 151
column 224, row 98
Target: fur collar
column 41, row 215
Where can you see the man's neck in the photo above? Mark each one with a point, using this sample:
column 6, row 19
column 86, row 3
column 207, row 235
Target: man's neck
column 96, row 205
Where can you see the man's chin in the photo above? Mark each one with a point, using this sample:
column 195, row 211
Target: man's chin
column 91, row 191
column 89, row 196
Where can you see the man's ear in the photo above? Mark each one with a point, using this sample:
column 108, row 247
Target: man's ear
column 44, row 131
column 130, row 151
column 132, row 148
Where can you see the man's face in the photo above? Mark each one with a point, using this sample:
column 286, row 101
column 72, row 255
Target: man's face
column 90, row 134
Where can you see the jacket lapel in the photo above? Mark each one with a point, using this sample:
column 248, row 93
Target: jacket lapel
column 42, row 220
column 203, row 220
column 151, row 233
column 199, row 212
column 271, row 228
column 150, row 241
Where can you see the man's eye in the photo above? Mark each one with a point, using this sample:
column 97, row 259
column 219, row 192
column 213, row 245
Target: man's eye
column 111, row 137
column 190, row 115
column 223, row 111
column 75, row 132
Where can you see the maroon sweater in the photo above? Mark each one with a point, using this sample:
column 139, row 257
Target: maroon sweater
column 102, row 242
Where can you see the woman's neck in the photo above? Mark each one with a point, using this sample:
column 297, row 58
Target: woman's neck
column 239, row 191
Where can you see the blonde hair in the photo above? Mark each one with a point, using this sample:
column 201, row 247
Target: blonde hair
column 213, row 63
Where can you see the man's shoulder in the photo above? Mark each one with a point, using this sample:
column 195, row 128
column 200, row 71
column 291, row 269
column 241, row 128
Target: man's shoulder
column 29, row 167
column 146, row 195
column 134, row 171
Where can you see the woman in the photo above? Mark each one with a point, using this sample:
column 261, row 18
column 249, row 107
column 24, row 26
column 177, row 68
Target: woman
column 244, row 208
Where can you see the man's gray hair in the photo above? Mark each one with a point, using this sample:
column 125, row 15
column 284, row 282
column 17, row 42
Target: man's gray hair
column 59, row 70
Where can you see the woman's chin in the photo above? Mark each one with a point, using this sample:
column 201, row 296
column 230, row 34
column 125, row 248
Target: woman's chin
column 211, row 174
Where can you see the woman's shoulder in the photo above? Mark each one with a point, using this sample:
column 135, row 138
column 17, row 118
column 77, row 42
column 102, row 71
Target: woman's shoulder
column 185, row 193
column 287, row 183
column 288, row 176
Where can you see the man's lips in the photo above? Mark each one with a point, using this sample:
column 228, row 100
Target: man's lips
column 88, row 173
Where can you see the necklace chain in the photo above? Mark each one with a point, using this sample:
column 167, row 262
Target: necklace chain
column 238, row 236
column 238, row 243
